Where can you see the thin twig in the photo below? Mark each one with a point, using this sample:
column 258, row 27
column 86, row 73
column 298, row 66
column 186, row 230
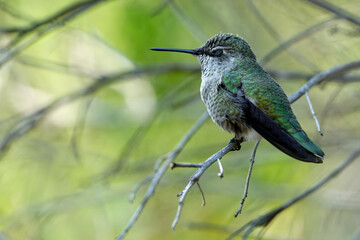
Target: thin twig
column 330, row 73
column 202, row 194
column 221, row 173
column 265, row 219
column 313, row 113
column 79, row 127
column 147, row 179
column 185, row 165
column 138, row 186
column 164, row 166
column 247, row 183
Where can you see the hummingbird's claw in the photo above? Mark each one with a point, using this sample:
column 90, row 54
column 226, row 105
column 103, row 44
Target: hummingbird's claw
column 237, row 145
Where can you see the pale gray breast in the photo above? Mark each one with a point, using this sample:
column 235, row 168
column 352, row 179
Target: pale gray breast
column 217, row 106
column 214, row 104
column 224, row 111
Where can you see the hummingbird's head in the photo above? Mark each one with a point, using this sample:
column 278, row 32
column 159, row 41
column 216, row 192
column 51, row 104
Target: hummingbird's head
column 222, row 50
column 218, row 52
column 226, row 45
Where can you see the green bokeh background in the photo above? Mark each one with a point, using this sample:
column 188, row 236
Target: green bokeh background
column 49, row 191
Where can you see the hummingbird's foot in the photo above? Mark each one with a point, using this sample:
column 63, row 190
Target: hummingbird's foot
column 237, row 145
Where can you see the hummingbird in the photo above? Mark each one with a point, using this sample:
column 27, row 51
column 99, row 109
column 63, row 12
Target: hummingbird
column 243, row 99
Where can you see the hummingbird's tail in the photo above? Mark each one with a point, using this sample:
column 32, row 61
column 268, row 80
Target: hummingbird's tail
column 305, row 141
column 273, row 133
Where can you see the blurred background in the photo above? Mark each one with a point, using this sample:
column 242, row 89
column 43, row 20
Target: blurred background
column 87, row 110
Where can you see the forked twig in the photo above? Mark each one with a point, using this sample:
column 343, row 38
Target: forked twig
column 313, row 114
column 195, row 178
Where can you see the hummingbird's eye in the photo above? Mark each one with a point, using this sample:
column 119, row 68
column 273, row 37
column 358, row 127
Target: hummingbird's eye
column 218, row 53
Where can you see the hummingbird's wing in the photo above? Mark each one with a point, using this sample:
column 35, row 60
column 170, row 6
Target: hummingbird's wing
column 273, row 133
column 269, row 111
column 269, row 129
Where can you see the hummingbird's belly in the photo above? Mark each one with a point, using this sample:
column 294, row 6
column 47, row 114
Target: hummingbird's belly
column 227, row 114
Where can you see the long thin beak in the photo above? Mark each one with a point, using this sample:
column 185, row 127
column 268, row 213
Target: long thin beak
column 191, row 51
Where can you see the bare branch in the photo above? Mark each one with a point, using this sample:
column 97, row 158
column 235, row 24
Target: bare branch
column 330, row 73
column 158, row 175
column 45, row 26
column 30, row 121
column 247, row 183
column 337, row 11
column 265, row 219
column 284, row 45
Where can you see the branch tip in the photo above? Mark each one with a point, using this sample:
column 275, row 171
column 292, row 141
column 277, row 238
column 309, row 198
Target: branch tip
column 221, row 173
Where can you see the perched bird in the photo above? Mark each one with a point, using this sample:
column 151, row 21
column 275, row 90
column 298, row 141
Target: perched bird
column 243, row 99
